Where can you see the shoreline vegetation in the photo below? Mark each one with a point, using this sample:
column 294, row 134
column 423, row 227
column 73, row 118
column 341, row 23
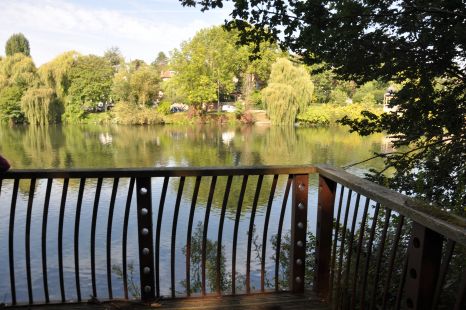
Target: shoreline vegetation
column 206, row 74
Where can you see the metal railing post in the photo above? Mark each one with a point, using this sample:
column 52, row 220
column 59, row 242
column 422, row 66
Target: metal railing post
column 298, row 232
column 326, row 201
column 145, row 238
column 424, row 255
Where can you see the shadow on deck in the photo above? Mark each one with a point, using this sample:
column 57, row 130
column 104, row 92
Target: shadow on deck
column 266, row 301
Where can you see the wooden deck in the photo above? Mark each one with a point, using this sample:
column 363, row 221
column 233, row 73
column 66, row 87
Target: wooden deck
column 266, row 301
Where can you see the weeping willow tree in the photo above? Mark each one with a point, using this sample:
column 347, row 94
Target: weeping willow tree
column 289, row 91
column 41, row 106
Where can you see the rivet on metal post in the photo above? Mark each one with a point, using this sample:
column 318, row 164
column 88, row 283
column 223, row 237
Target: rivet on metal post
column 146, row 270
column 144, row 211
column 147, row 289
column 300, row 243
column 300, row 206
column 143, row 191
column 299, row 262
column 145, row 231
column 145, row 251
column 298, row 280
column 300, row 225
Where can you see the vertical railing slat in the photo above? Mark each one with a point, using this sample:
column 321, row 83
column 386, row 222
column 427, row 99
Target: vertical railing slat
column 219, row 275
column 109, row 237
column 443, row 271
column 235, row 234
column 251, row 233
column 173, row 242
column 32, row 188
column 188, row 235
column 157, row 234
column 266, row 227
column 325, row 210
column 369, row 254
column 362, row 229
column 60, row 238
column 280, row 227
column 425, row 253
column 76, row 236
column 391, row 263
column 11, row 229
column 204, row 235
column 335, row 242
column 350, row 250
column 129, row 198
column 93, row 227
column 145, row 238
column 342, row 245
column 44, row 238
column 388, row 213
column 298, row 232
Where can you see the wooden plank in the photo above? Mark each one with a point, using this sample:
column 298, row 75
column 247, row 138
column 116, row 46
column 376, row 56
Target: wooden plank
column 267, row 300
column 446, row 224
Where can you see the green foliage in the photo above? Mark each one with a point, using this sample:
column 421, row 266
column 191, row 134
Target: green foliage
column 55, row 74
column 164, row 107
column 10, row 108
column 41, row 106
column 137, row 86
column 371, row 92
column 207, row 65
column 329, row 114
column 114, row 57
column 90, row 83
column 131, row 114
column 18, row 70
column 17, row 43
column 289, row 91
column 416, row 44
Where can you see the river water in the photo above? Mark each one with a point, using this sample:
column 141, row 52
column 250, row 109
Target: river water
column 97, row 146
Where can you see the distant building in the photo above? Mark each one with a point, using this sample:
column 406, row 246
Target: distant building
column 387, row 97
column 166, row 75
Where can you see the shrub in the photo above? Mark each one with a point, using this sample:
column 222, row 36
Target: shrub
column 164, row 107
column 129, row 114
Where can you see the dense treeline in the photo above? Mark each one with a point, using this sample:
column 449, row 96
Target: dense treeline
column 203, row 73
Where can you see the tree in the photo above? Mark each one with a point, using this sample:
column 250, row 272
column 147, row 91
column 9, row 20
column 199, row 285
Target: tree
column 41, row 106
column 289, row 91
column 17, row 74
column 418, row 44
column 114, row 57
column 208, row 65
column 55, row 73
column 17, row 43
column 90, row 83
column 139, row 86
column 160, row 62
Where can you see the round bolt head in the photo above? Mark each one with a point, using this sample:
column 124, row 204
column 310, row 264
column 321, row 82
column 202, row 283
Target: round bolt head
column 300, row 225
column 146, row 270
column 147, row 288
column 300, row 206
column 144, row 211
column 143, row 191
column 300, row 243
column 301, row 187
column 298, row 280
column 145, row 231
column 145, row 251
column 299, row 262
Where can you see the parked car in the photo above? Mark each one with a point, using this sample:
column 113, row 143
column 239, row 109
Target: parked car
column 228, row 108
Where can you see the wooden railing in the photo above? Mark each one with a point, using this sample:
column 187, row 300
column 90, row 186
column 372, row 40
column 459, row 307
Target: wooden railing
column 373, row 247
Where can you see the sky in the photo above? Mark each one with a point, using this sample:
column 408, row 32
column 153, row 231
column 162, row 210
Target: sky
column 140, row 28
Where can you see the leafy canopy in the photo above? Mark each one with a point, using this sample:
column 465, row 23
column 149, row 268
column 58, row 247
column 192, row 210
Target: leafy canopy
column 418, row 44
column 17, row 43
column 289, row 91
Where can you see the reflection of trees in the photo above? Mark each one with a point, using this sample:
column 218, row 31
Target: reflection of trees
column 191, row 145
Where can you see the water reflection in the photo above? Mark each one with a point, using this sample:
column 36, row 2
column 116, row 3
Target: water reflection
column 149, row 146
